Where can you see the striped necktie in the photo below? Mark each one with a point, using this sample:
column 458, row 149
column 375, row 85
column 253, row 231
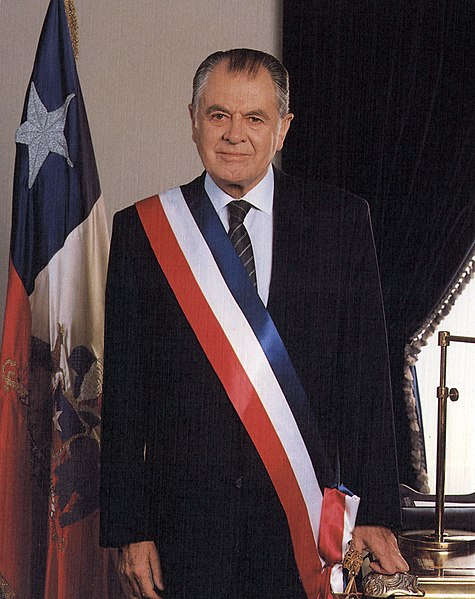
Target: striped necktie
column 239, row 236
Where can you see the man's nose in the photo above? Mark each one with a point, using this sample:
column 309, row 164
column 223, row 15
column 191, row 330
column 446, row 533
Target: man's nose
column 235, row 131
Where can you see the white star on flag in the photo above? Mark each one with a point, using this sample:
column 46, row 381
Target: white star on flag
column 43, row 132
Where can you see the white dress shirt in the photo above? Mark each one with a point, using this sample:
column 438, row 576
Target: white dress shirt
column 258, row 223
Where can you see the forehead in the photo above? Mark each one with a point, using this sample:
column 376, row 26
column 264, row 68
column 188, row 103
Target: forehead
column 239, row 90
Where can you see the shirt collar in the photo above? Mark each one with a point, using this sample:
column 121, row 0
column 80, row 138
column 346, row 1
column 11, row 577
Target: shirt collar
column 261, row 196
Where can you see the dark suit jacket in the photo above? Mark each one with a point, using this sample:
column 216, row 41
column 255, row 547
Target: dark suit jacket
column 177, row 465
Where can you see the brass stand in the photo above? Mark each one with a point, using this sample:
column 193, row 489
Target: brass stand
column 441, row 573
column 443, row 560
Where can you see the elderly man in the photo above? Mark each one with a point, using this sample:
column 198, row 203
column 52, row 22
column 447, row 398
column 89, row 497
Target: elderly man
column 245, row 367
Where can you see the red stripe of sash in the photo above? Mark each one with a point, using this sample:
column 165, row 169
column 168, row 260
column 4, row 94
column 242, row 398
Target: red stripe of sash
column 331, row 533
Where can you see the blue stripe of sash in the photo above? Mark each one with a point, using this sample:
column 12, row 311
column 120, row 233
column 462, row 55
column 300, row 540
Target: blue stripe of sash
column 264, row 328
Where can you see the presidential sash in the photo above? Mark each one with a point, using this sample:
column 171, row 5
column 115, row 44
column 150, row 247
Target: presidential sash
column 243, row 346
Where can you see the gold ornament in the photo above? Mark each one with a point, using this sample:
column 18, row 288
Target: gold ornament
column 72, row 15
column 352, row 562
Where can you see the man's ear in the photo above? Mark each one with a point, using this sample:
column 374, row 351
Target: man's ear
column 192, row 117
column 284, row 127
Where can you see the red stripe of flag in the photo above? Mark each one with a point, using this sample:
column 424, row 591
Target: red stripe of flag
column 16, row 505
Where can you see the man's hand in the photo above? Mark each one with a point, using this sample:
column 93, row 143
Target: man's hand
column 383, row 548
column 139, row 564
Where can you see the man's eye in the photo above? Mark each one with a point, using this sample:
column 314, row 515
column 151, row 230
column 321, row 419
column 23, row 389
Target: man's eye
column 219, row 116
column 255, row 120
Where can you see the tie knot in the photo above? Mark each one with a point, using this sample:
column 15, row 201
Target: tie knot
column 237, row 211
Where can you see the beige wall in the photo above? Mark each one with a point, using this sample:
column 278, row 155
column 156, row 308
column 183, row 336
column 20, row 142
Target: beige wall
column 137, row 59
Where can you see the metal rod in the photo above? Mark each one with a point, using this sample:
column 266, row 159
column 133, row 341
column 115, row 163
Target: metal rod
column 459, row 338
column 442, row 393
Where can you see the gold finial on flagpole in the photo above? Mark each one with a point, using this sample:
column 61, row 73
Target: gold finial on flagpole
column 72, row 15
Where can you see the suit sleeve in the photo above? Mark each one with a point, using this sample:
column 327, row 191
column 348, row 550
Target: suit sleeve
column 366, row 436
column 126, row 408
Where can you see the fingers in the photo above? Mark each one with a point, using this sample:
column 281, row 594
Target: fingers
column 389, row 563
column 387, row 558
column 156, row 570
column 139, row 564
column 126, row 571
column 383, row 548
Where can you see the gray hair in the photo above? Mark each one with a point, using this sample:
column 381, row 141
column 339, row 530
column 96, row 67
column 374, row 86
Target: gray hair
column 249, row 61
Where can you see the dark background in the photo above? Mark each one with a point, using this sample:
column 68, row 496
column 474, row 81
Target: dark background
column 384, row 101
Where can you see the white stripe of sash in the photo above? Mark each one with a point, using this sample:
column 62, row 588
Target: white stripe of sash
column 351, row 510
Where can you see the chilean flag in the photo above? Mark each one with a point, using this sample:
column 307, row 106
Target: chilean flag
column 51, row 355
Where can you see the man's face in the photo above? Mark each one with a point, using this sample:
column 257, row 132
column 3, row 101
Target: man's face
column 237, row 129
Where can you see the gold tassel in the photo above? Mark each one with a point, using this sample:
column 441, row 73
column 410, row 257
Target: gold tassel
column 5, row 589
column 73, row 26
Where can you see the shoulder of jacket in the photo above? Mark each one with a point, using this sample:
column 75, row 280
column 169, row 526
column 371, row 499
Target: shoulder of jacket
column 318, row 194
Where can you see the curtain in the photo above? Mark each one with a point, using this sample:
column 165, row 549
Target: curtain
column 383, row 97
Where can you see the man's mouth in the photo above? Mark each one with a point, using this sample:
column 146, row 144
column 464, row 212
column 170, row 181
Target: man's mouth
column 232, row 156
